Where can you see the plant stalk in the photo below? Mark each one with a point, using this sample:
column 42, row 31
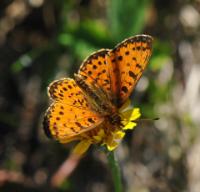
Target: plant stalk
column 115, row 170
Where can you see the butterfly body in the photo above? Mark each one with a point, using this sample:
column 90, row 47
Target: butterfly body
column 96, row 96
column 100, row 104
column 93, row 98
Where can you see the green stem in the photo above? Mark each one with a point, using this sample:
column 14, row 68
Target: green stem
column 113, row 163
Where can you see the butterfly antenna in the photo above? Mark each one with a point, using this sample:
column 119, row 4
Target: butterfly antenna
column 147, row 119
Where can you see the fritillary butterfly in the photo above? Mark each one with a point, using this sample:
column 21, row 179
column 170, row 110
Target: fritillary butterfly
column 102, row 85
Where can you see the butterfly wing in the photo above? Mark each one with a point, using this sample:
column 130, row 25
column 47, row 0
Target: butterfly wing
column 70, row 113
column 127, row 62
column 95, row 71
column 117, row 71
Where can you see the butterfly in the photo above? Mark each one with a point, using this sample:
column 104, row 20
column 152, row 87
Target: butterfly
column 100, row 88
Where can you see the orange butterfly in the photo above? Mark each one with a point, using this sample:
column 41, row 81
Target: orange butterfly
column 87, row 107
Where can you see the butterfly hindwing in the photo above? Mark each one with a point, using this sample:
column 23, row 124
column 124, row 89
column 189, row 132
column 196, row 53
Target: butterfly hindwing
column 70, row 113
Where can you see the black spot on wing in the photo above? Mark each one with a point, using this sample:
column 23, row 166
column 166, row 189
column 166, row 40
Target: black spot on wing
column 131, row 74
column 91, row 120
column 124, row 89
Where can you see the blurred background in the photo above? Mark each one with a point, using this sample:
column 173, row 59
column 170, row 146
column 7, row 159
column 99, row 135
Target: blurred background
column 44, row 40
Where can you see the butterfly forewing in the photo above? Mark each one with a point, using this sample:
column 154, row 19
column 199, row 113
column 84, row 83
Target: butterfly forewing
column 127, row 62
column 95, row 72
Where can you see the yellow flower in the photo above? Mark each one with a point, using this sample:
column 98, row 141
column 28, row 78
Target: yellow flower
column 108, row 137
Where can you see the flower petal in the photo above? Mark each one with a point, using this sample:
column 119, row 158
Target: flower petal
column 127, row 114
column 112, row 145
column 82, row 147
column 125, row 105
column 113, row 141
column 67, row 140
column 129, row 117
column 100, row 135
column 135, row 114
column 129, row 125
column 119, row 135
